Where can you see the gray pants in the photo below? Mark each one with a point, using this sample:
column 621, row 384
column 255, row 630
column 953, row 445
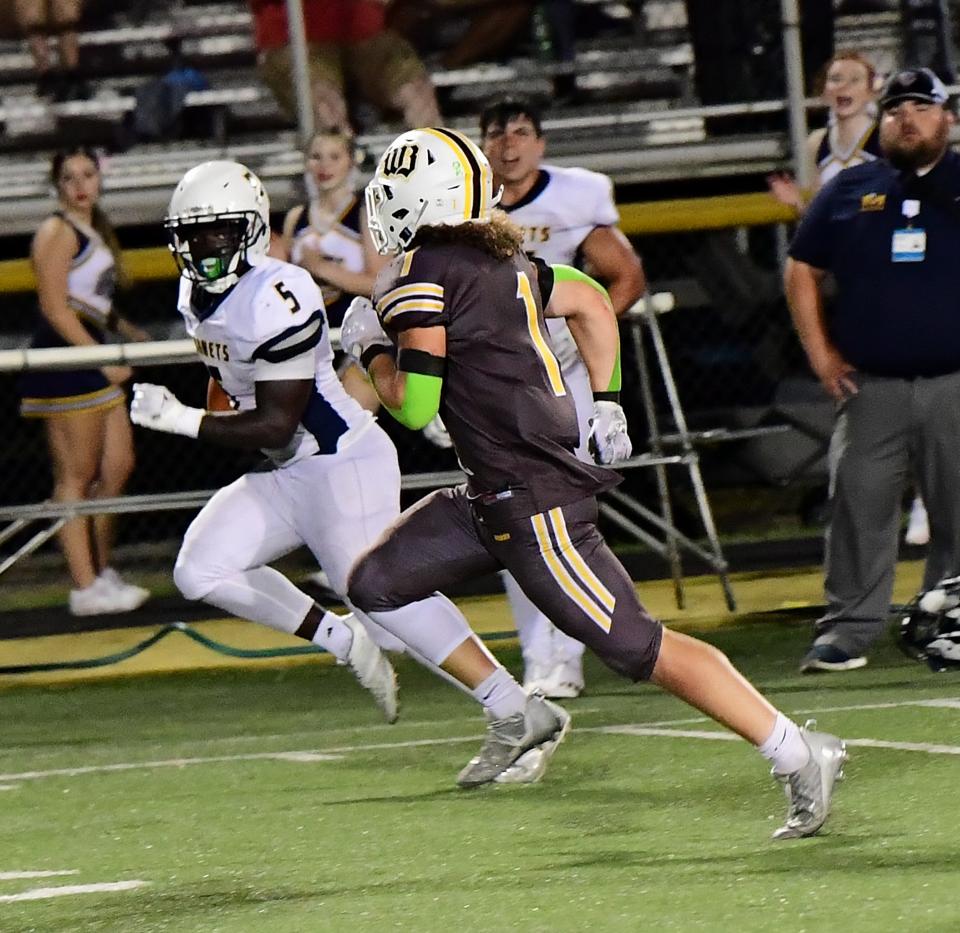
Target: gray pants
column 892, row 430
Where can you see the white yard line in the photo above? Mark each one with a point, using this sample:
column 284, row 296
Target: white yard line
column 928, row 748
column 20, row 875
column 39, row 894
column 308, row 755
column 664, row 728
column 946, row 703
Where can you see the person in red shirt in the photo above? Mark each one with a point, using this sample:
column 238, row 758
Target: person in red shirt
column 350, row 50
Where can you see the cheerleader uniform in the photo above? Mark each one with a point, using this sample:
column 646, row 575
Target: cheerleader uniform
column 342, row 242
column 831, row 161
column 90, row 286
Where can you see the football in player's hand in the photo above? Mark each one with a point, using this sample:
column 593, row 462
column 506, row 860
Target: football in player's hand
column 217, row 399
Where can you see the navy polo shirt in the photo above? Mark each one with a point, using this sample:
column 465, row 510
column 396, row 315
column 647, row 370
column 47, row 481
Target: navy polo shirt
column 898, row 319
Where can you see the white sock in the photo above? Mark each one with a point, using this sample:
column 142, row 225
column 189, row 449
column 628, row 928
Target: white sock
column 333, row 636
column 785, row 747
column 500, row 694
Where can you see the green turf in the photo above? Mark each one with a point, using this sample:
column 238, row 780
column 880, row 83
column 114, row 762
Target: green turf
column 625, row 833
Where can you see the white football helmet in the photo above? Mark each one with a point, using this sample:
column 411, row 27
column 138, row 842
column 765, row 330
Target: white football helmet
column 218, row 223
column 427, row 176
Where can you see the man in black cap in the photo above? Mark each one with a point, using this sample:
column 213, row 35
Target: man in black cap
column 887, row 350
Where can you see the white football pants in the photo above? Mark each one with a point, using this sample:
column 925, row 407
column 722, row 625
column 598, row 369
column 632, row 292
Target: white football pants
column 336, row 505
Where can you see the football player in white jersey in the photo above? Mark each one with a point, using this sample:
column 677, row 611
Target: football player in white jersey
column 260, row 326
column 567, row 216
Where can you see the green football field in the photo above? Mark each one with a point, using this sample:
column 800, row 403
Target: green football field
column 273, row 800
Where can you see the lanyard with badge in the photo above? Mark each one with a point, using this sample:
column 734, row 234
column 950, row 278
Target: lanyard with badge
column 910, row 242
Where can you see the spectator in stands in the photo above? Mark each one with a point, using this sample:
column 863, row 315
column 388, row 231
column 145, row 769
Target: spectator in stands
column 888, row 353
column 851, row 134
column 329, row 237
column 568, row 216
column 76, row 261
column 489, row 29
column 42, row 20
column 851, row 137
column 350, row 51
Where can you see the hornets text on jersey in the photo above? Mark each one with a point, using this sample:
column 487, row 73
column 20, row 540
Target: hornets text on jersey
column 559, row 212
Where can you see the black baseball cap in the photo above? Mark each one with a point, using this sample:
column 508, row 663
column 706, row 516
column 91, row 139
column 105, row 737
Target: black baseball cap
column 913, row 84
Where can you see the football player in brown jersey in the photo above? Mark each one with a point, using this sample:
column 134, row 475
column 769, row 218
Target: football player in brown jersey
column 457, row 325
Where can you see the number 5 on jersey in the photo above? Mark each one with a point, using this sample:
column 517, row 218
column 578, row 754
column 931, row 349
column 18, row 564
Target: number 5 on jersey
column 288, row 296
column 550, row 364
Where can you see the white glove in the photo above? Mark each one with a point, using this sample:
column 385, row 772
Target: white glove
column 435, row 431
column 609, row 441
column 158, row 408
column 361, row 330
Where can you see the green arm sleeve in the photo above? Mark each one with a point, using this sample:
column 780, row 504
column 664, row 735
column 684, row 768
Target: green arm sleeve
column 614, row 385
column 421, row 401
column 563, row 273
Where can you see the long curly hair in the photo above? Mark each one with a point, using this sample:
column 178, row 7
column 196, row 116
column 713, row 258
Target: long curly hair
column 500, row 237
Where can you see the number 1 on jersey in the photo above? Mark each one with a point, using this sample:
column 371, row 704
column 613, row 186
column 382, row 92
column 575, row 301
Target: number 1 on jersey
column 540, row 343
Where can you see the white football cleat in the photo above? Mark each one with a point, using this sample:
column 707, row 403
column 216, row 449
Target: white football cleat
column 372, row 669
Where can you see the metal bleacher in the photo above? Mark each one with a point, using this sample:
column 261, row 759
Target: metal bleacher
column 635, row 116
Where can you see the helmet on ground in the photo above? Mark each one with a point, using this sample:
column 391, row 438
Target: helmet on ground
column 427, row 176
column 218, row 223
column 930, row 626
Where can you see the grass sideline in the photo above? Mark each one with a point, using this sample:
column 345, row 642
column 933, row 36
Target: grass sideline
column 275, row 800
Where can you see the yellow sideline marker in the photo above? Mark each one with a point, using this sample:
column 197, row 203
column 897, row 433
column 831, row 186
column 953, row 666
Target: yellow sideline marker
column 489, row 615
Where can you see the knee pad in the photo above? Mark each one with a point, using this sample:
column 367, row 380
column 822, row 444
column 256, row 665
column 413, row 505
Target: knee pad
column 194, row 580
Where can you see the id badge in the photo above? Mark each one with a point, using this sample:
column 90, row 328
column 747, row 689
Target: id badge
column 909, row 245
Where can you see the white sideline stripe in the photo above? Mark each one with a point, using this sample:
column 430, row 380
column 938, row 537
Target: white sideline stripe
column 671, row 733
column 308, row 755
column 943, row 704
column 948, row 702
column 39, row 894
column 20, row 875
column 8, row 787
column 653, row 729
column 925, row 747
column 373, row 727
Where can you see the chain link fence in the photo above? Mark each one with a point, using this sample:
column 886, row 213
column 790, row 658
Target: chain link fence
column 730, row 343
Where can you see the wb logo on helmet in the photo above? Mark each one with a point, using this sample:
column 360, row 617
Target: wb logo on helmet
column 399, row 161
